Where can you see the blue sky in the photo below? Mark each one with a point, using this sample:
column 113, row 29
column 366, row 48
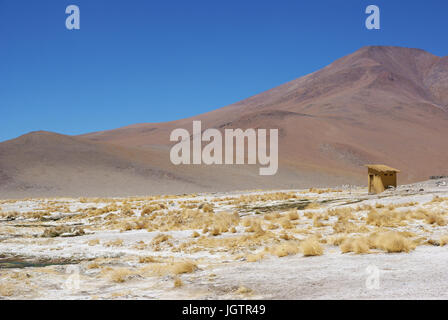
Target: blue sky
column 150, row 61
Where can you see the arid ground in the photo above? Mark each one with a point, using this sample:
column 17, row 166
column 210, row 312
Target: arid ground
column 338, row 243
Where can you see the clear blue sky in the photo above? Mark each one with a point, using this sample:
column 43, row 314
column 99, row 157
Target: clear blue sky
column 150, row 61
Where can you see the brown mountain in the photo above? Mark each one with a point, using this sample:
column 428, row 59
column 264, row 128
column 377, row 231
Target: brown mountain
column 45, row 164
column 378, row 105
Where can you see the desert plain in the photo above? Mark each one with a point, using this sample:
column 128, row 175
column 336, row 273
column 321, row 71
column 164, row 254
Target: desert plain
column 335, row 243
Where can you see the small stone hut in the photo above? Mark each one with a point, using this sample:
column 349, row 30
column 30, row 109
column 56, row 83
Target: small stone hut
column 381, row 177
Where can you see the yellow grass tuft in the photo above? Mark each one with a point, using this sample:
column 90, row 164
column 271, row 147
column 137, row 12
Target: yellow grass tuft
column 195, row 234
column 178, row 282
column 158, row 239
column 435, row 218
column 312, row 205
column 443, row 240
column 356, row 245
column 293, row 215
column 337, row 240
column 114, row 243
column 120, row 275
column 215, row 231
column 255, row 257
column 272, row 216
column 243, row 290
column 393, row 242
column 7, row 289
column 439, row 199
column 317, row 223
column 311, row 247
column 93, row 242
column 183, row 267
column 147, row 259
column 286, row 224
column 94, row 265
column 284, row 249
column 207, row 207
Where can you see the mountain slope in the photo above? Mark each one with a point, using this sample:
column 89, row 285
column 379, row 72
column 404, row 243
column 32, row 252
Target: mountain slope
column 379, row 104
column 45, row 164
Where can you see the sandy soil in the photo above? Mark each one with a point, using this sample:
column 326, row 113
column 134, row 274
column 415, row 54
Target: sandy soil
column 241, row 245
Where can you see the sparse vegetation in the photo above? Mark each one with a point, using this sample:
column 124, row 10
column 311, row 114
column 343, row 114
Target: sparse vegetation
column 180, row 232
column 311, row 247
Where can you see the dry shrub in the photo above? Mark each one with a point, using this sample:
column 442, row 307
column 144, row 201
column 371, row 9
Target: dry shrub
column 93, row 242
column 9, row 215
column 206, row 207
column 221, row 222
column 114, row 243
column 147, row 259
column 126, row 210
column 272, row 226
column 317, row 223
column 311, row 247
column 140, row 245
column 252, row 198
column 293, row 215
column 378, row 219
column 177, row 282
column 419, row 214
column 7, row 289
column 284, row 249
column 286, row 236
column 392, row 242
column 147, row 210
column 255, row 227
column 243, row 290
column 58, row 231
column 439, row 199
column 435, row 218
column 120, row 275
column 158, row 239
column 312, row 205
column 195, row 234
column 337, row 240
column 139, row 224
column 344, row 214
column 272, row 216
column 348, row 227
column 356, row 245
column 318, row 191
column 248, row 222
column 183, row 267
column 94, row 265
column 286, row 224
column 20, row 276
column 255, row 257
column 443, row 240
column 387, row 218
column 433, row 242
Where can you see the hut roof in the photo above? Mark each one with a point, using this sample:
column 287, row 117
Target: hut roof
column 381, row 168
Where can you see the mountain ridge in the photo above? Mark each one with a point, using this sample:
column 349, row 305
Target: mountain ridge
column 380, row 104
